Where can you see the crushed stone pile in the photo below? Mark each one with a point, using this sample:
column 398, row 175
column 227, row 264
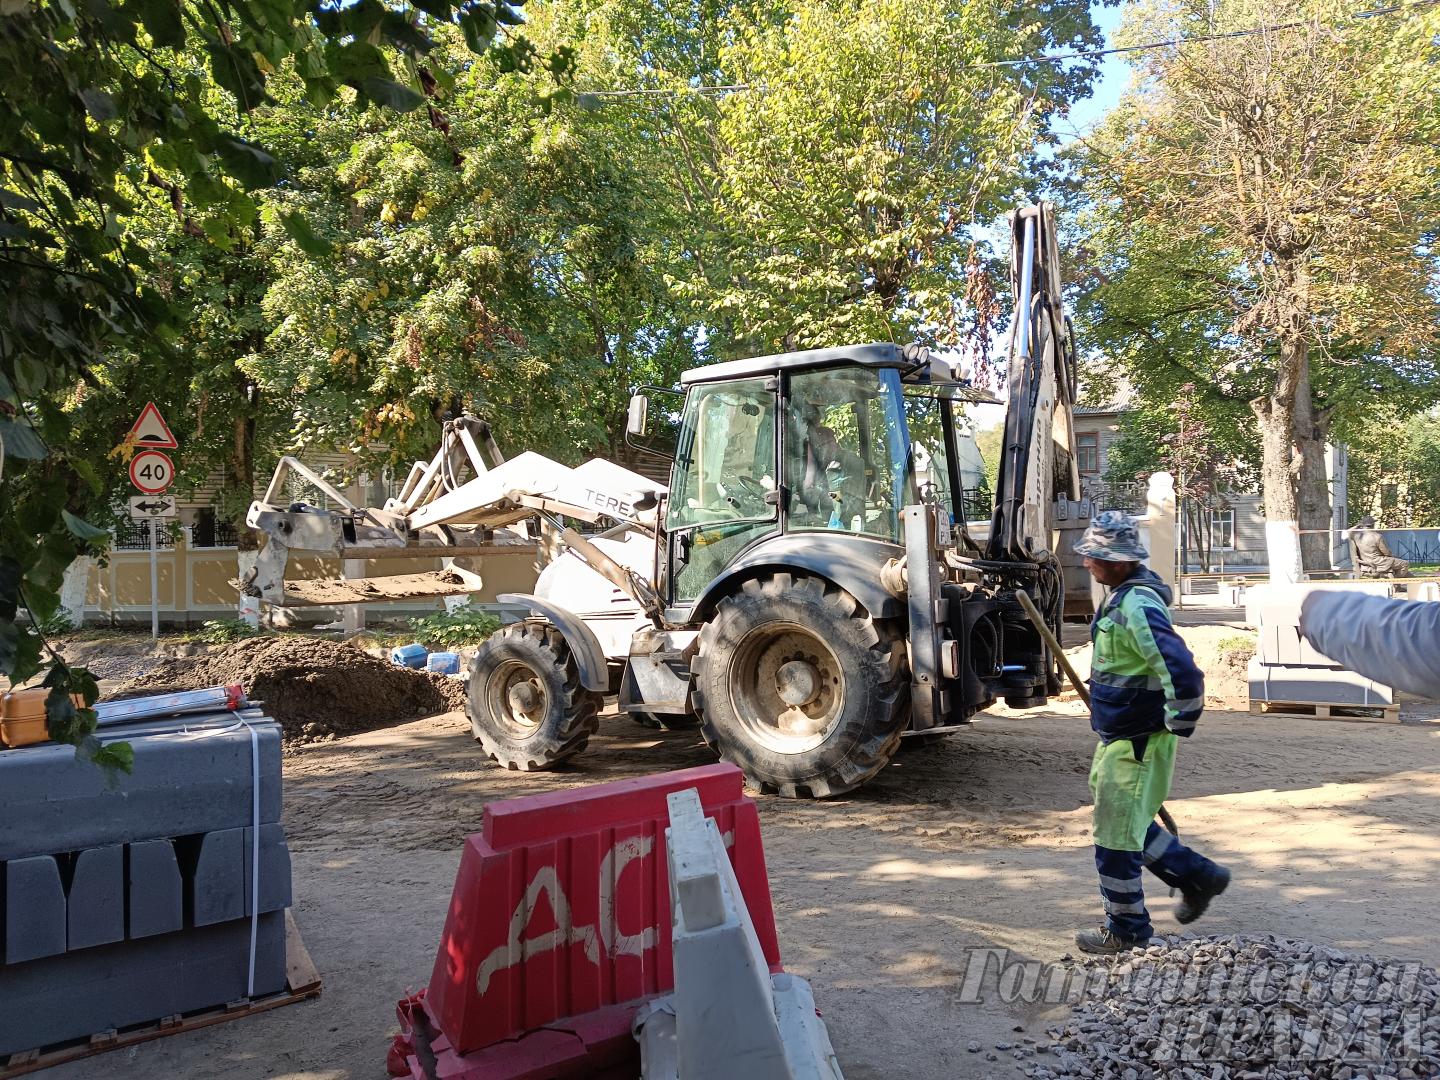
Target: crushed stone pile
column 1252, row 1007
column 316, row 688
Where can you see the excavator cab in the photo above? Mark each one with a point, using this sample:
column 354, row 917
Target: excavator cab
column 833, row 443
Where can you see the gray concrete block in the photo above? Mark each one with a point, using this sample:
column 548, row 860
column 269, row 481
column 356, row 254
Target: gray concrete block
column 1279, row 604
column 274, row 868
column 191, row 776
column 34, row 909
column 95, row 910
column 157, row 898
column 1317, row 685
column 217, row 885
column 77, row 994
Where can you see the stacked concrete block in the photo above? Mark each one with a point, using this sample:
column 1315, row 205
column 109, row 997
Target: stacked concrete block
column 128, row 898
column 1287, row 669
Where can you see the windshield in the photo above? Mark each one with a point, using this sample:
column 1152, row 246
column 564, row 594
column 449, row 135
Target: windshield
column 724, row 471
column 845, row 451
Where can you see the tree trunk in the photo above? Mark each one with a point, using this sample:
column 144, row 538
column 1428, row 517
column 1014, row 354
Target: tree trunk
column 240, row 471
column 1314, row 493
column 240, row 480
column 1279, row 468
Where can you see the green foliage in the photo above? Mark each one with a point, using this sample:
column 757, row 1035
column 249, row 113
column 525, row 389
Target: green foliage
column 1399, row 455
column 107, row 112
column 509, row 257
column 840, row 196
column 57, row 624
column 224, row 631
column 450, row 630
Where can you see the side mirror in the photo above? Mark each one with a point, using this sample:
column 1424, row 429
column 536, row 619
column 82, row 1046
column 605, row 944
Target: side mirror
column 638, row 434
column 639, row 413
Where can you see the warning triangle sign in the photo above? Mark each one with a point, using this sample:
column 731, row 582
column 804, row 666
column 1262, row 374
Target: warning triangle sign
column 151, row 431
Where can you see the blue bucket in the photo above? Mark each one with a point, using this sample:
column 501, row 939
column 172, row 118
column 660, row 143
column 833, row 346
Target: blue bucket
column 411, row 656
column 443, row 663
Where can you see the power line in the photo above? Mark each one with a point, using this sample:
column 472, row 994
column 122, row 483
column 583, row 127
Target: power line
column 1199, row 38
column 1087, row 54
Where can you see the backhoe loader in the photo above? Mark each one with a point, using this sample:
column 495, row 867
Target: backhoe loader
column 807, row 589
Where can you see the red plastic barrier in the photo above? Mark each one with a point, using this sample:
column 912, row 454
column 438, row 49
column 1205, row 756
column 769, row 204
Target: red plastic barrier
column 562, row 907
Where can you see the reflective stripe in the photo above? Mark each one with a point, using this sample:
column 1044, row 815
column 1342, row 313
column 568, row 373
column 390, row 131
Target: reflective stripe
column 1122, row 885
column 1157, row 847
column 1123, row 909
column 1116, row 615
column 1140, row 682
column 1178, row 725
column 1184, row 705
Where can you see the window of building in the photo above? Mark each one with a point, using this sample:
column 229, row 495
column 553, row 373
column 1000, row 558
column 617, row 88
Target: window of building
column 1222, row 530
column 1087, row 452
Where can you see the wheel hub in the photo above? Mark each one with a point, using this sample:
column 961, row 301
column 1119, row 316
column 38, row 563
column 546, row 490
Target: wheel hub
column 787, row 687
column 523, row 698
column 797, row 682
column 516, row 698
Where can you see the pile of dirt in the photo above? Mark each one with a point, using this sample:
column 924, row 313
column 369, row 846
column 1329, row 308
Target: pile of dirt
column 1222, row 652
column 316, row 688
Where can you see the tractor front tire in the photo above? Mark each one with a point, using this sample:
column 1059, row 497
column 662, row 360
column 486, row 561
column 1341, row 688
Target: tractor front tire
column 800, row 687
column 528, row 709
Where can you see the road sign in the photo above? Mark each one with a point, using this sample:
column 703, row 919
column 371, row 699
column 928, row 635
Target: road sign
column 150, row 432
column 145, row 507
column 151, row 471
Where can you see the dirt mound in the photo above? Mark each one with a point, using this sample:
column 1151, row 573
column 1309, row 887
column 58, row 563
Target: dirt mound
column 1222, row 653
column 315, row 688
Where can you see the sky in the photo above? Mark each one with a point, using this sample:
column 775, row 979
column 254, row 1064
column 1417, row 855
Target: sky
column 1114, row 73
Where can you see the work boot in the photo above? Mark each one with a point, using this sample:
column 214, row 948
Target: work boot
column 1194, row 902
column 1103, row 942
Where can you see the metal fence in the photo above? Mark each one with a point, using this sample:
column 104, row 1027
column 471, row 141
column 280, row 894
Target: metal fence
column 135, row 536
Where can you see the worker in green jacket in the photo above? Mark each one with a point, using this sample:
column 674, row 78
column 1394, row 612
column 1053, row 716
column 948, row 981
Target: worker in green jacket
column 1145, row 694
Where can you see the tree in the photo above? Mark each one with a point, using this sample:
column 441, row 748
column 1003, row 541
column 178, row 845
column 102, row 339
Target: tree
column 512, row 262
column 1290, row 172
column 1394, row 470
column 832, row 193
column 96, row 105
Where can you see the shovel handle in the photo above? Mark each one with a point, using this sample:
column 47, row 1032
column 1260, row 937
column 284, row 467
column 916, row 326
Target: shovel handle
column 1049, row 636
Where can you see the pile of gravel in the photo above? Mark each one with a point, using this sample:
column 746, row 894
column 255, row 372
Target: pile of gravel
column 316, row 688
column 1253, row 1007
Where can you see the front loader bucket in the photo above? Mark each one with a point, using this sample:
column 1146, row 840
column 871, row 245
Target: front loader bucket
column 333, row 592
column 267, row 580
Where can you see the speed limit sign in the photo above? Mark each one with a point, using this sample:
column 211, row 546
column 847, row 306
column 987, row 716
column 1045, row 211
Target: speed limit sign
column 151, row 471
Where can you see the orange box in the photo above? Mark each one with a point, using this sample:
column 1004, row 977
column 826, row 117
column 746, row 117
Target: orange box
column 22, row 716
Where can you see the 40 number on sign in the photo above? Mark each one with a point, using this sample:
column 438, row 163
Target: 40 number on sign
column 151, row 471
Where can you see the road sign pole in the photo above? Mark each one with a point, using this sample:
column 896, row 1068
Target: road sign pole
column 154, row 580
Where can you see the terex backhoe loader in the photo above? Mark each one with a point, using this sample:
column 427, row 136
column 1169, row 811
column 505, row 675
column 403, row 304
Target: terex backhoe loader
column 807, row 588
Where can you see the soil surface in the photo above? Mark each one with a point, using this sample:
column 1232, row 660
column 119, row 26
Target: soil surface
column 891, row 900
column 316, row 688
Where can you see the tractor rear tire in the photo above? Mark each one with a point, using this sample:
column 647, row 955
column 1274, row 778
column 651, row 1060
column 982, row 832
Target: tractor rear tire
column 800, row 687
column 528, row 709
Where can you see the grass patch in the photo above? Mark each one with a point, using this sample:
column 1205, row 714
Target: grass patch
column 1236, row 650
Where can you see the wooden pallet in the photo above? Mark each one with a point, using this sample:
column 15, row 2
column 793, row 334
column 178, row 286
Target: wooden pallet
column 1327, row 710
column 302, row 982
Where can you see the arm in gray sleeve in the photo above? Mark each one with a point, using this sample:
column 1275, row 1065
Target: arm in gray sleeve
column 1395, row 642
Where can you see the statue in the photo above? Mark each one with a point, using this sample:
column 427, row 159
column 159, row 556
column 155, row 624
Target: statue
column 1372, row 556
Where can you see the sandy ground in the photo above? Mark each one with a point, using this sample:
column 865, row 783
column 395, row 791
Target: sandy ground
column 882, row 898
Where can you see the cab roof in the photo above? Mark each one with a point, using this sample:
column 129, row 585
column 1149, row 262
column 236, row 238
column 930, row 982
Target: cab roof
column 876, row 355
